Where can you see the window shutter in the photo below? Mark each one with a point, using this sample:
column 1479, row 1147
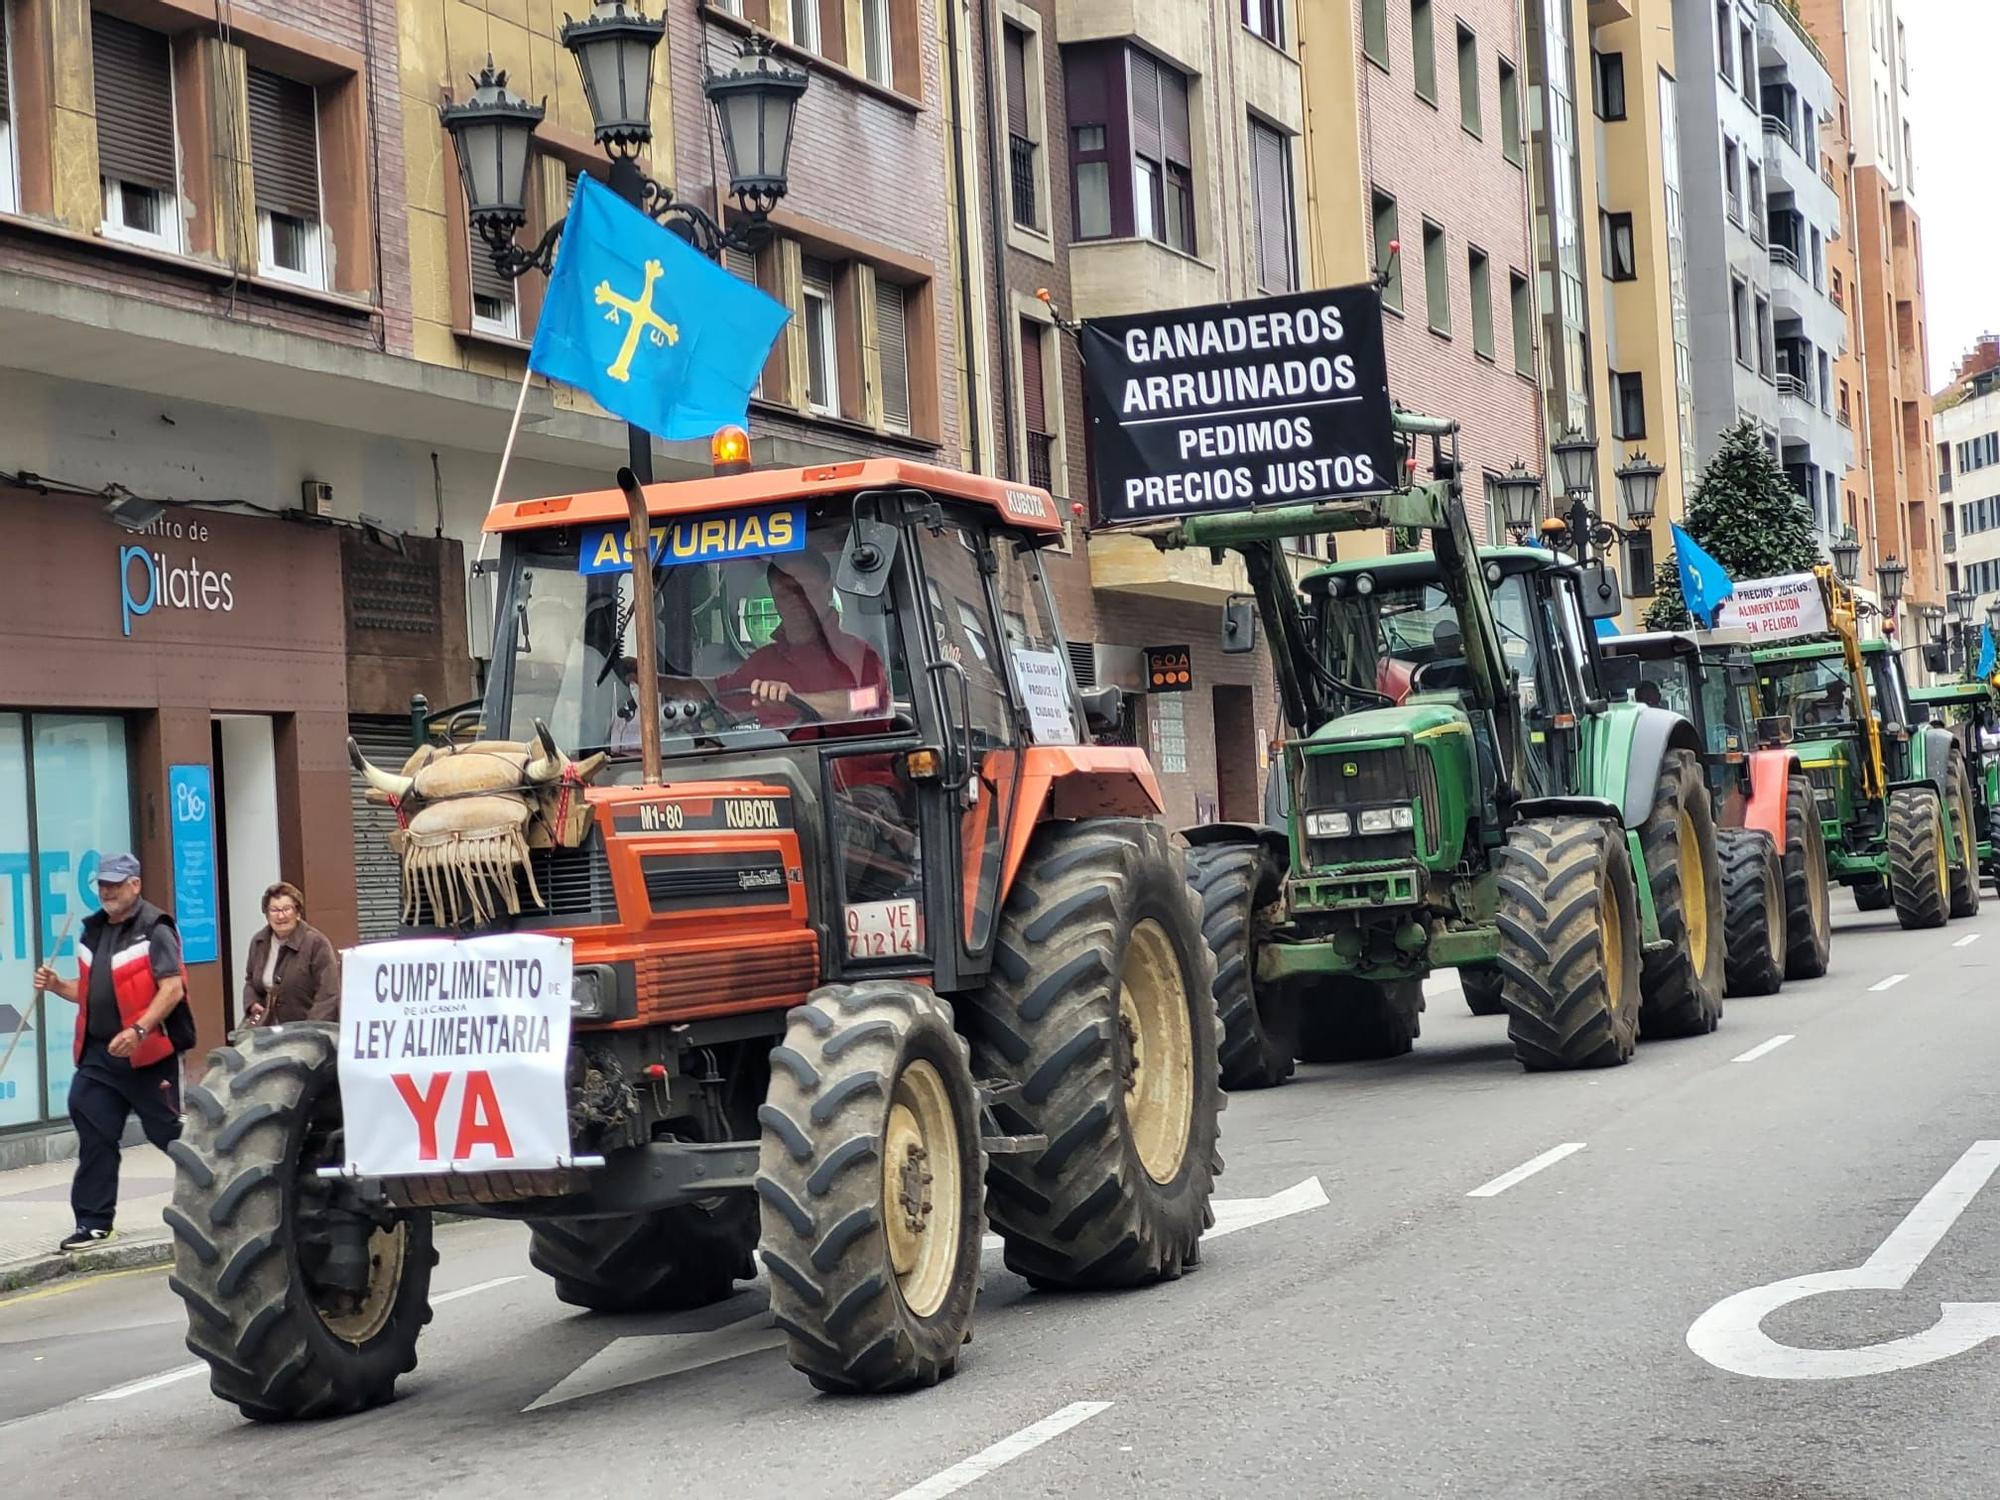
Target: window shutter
column 487, row 282
column 893, row 345
column 740, row 264
column 1174, row 117
column 135, row 103
column 1146, row 139
column 1274, row 239
column 1033, row 402
column 284, row 144
column 1016, row 47
column 4, row 113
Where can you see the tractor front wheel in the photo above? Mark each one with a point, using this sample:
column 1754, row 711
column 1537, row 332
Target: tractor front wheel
column 305, row 1300
column 1482, row 991
column 1260, row 1027
column 673, row 1259
column 1871, row 893
column 1101, row 1006
column 1753, row 909
column 1360, row 1020
column 1808, row 912
column 1965, row 874
column 1919, row 863
column 871, row 1178
column 1682, row 984
column 1569, row 944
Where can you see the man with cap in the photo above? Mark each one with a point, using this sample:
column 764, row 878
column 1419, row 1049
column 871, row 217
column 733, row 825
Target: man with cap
column 132, row 1020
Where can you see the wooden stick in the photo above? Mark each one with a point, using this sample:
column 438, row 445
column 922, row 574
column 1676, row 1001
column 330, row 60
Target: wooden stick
column 640, row 536
column 22, row 1024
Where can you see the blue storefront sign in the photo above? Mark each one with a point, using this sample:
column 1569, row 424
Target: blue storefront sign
column 193, row 798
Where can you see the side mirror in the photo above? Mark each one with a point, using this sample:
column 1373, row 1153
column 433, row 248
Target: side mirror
column 1239, row 625
column 1938, row 658
column 865, row 560
column 1920, row 715
column 1601, row 600
column 1103, row 708
column 1774, row 730
column 1619, row 675
column 1742, row 674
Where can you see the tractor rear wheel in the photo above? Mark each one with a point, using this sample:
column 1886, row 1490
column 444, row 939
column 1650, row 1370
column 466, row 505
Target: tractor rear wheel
column 1260, row 1027
column 1360, row 1020
column 1482, row 991
column 1965, row 876
column 871, row 1177
column 658, row 1262
column 1871, row 893
column 1919, row 865
column 1753, row 911
column 1808, row 913
column 305, row 1301
column 1569, row 944
column 1682, row 984
column 1101, row 1006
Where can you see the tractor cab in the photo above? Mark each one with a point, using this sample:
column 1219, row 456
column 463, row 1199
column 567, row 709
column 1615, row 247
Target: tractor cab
column 1710, row 681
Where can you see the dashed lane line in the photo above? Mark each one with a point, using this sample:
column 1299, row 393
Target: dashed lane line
column 1968, row 940
column 1526, row 1170
column 1887, row 984
column 970, row 1471
column 1763, row 1047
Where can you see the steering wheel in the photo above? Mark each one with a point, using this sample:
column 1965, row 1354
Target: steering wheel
column 754, row 708
column 1446, row 674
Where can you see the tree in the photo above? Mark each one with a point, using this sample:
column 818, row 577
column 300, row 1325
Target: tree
column 1746, row 515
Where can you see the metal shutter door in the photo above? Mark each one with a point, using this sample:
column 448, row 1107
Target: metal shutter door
column 378, row 880
column 135, row 103
column 284, row 144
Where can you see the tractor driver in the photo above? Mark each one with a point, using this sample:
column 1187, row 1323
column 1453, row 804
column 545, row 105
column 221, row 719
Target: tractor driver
column 1832, row 706
column 811, row 659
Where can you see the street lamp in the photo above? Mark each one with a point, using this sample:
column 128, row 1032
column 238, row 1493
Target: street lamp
column 613, row 48
column 1517, row 495
column 1576, row 461
column 1847, row 558
column 1889, row 578
column 1993, row 617
column 1639, row 488
column 1960, row 602
column 1932, row 616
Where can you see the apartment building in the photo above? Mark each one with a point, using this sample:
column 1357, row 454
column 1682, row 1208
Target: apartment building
column 1968, row 476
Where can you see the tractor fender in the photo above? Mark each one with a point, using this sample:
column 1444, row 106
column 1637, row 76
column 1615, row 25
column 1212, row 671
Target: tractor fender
column 1938, row 747
column 1059, row 782
column 1276, row 841
column 1632, row 742
column 1771, row 772
column 1563, row 807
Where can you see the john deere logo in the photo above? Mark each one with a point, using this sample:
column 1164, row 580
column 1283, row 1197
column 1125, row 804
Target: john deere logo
column 1349, row 768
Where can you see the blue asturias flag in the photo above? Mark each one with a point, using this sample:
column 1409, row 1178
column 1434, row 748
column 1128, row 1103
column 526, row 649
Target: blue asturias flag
column 1986, row 653
column 1703, row 583
column 647, row 326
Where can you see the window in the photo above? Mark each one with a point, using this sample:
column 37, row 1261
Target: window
column 1746, row 49
column 1510, row 113
column 136, row 156
column 1732, row 184
column 9, row 197
column 1437, row 280
column 1725, row 39
column 1035, row 407
column 1825, row 382
column 1090, row 170
column 1764, row 358
column 1271, row 194
column 1023, row 143
column 893, row 349
column 1610, row 70
column 1739, row 321
column 1628, row 405
column 495, row 309
column 822, row 340
column 1755, row 176
column 284, row 171
column 1943, row 449
column 1818, row 262
column 805, row 24
column 1375, row 31
column 1266, row 18
column 1621, row 261
column 1468, row 81
column 1388, row 261
column 1522, row 306
column 1479, row 282
column 1163, row 154
column 877, row 55
column 1639, row 569
column 1423, row 50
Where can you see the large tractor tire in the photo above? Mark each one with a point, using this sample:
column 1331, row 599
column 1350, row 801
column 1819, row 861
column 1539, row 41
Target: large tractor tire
column 1260, row 1027
column 871, row 1175
column 1482, row 991
column 1808, row 911
column 674, row 1259
column 1965, row 875
column 1682, row 984
column 1569, row 944
column 297, row 1314
column 1871, row 893
column 1360, row 1020
column 1919, row 865
column 1753, row 911
column 1101, row 1007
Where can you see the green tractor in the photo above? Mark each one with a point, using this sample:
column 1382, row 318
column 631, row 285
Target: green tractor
column 1895, row 793
column 1461, row 794
column 1971, row 712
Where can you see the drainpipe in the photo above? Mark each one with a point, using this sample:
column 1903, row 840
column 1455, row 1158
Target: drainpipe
column 968, row 331
column 996, row 206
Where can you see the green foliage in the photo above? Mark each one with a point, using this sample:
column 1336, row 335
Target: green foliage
column 1744, row 512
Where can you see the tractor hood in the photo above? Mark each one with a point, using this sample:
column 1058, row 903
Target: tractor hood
column 1413, row 719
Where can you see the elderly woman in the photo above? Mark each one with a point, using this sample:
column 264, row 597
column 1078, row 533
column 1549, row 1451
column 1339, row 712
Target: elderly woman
column 292, row 973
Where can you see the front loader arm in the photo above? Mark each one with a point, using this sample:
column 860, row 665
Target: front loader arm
column 1842, row 619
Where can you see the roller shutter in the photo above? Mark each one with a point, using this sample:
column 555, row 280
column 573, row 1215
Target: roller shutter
column 378, row 886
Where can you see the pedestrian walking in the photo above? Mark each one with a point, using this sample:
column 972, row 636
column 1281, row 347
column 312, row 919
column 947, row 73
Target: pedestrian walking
column 292, row 973
column 132, row 1022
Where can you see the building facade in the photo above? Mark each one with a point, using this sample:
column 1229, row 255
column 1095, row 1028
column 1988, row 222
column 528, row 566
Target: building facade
column 1968, row 478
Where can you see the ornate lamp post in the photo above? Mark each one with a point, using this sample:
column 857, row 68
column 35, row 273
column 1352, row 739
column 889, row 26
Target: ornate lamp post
column 1847, row 557
column 1516, row 495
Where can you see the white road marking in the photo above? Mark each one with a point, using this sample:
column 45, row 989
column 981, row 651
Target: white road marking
column 188, row 1372
column 1526, row 1170
column 1730, row 1335
column 1968, row 940
column 972, row 1470
column 1887, row 984
column 1232, row 1214
column 1763, row 1047
column 654, row 1356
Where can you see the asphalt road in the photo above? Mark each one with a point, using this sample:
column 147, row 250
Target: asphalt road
column 1442, row 1325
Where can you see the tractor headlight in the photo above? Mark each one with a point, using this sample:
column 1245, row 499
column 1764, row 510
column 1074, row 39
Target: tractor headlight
column 1387, row 820
column 589, row 993
column 1328, row 825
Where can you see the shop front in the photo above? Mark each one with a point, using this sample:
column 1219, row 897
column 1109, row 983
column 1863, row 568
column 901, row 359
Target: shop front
column 179, row 691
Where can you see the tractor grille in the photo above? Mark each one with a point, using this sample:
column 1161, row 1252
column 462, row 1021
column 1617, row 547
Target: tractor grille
column 1825, row 784
column 691, row 882
column 1381, row 779
column 771, row 973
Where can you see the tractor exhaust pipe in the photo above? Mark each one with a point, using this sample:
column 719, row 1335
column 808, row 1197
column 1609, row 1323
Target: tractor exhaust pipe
column 647, row 625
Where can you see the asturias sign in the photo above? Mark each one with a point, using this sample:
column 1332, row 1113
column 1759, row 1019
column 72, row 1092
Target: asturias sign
column 149, row 580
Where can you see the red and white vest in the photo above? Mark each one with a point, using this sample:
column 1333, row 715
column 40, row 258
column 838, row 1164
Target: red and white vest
column 132, row 982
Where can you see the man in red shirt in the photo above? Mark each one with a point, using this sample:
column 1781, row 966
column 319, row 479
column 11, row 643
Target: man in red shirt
column 811, row 660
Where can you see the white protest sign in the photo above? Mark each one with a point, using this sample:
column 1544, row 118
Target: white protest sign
column 1775, row 608
column 453, row 1054
column 1045, row 691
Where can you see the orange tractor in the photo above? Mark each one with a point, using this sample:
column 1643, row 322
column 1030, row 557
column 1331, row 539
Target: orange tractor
column 870, row 943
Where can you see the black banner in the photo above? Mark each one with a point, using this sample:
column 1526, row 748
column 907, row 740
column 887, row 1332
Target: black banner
column 1272, row 401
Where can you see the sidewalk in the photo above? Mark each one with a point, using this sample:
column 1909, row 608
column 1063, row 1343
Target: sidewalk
column 34, row 1215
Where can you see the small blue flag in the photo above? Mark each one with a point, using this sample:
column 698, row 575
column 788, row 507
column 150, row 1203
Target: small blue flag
column 1704, row 585
column 1606, row 629
column 1986, row 653
column 651, row 329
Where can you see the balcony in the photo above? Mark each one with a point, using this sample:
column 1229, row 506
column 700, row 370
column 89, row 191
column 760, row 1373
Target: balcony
column 1781, row 127
column 1123, row 564
column 1784, row 255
